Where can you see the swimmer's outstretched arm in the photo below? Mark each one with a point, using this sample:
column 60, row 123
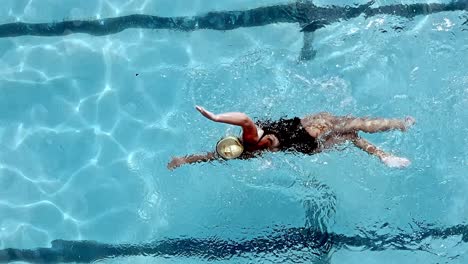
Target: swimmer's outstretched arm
column 249, row 129
column 388, row 159
column 179, row 161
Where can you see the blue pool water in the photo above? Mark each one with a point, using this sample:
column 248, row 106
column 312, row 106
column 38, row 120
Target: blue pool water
column 84, row 140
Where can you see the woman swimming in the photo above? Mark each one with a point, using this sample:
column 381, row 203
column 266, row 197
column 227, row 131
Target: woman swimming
column 308, row 135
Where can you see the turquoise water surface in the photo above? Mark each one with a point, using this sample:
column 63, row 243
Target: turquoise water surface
column 88, row 124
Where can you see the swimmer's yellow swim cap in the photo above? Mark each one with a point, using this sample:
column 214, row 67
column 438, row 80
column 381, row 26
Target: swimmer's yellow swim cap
column 229, row 147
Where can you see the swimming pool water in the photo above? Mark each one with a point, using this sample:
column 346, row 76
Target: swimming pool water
column 88, row 124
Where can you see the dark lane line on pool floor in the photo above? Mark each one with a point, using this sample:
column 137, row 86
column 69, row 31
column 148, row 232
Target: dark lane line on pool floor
column 281, row 241
column 309, row 17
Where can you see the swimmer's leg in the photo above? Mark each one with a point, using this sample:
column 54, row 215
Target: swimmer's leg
column 372, row 125
column 388, row 159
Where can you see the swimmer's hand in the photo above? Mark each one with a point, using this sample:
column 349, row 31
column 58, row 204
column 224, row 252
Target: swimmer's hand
column 179, row 161
column 175, row 162
column 396, row 162
column 206, row 113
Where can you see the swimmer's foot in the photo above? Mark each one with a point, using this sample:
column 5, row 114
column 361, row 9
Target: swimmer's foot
column 409, row 122
column 396, row 162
